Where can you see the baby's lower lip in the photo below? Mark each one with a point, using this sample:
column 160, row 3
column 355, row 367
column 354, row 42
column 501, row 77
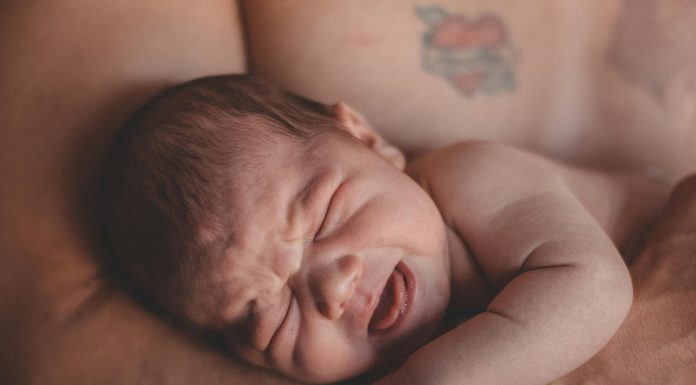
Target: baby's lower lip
column 393, row 302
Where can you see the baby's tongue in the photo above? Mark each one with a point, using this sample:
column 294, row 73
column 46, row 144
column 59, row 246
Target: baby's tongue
column 391, row 303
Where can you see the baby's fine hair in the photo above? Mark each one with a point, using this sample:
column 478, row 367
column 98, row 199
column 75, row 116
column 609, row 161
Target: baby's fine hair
column 168, row 177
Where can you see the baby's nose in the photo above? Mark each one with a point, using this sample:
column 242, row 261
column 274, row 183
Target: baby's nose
column 334, row 285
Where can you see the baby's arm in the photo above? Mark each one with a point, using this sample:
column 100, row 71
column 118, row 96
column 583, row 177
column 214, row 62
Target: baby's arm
column 564, row 289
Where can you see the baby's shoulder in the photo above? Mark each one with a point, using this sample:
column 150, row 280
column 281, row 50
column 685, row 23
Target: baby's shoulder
column 476, row 164
column 481, row 175
column 468, row 158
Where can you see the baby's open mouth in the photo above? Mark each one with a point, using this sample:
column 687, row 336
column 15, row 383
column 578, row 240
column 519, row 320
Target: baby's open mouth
column 392, row 303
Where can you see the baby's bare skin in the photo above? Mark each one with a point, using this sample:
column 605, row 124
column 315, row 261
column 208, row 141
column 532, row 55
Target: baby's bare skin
column 76, row 69
column 541, row 235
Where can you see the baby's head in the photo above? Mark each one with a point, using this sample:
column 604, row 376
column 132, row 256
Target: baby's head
column 284, row 226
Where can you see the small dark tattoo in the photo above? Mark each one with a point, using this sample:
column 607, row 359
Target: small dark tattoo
column 472, row 54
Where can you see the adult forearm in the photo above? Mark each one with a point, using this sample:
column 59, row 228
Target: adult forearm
column 75, row 70
column 657, row 342
column 110, row 340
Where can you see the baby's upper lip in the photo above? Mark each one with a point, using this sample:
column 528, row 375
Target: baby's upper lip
column 374, row 300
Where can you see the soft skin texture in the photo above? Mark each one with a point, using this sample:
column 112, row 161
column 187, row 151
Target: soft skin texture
column 608, row 83
column 561, row 286
column 657, row 342
column 319, row 230
column 73, row 70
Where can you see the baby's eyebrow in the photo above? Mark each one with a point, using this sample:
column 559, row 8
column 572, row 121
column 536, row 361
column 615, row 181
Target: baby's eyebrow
column 299, row 206
column 315, row 194
column 309, row 189
column 299, row 202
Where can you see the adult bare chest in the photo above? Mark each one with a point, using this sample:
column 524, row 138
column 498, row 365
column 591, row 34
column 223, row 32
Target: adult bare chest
column 542, row 77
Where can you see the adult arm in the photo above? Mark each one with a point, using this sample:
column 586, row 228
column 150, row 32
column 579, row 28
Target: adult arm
column 71, row 71
column 657, row 342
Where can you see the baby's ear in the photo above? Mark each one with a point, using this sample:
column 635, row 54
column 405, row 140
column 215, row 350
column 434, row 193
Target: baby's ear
column 355, row 124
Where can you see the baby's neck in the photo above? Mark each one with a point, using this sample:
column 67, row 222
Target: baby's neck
column 471, row 291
